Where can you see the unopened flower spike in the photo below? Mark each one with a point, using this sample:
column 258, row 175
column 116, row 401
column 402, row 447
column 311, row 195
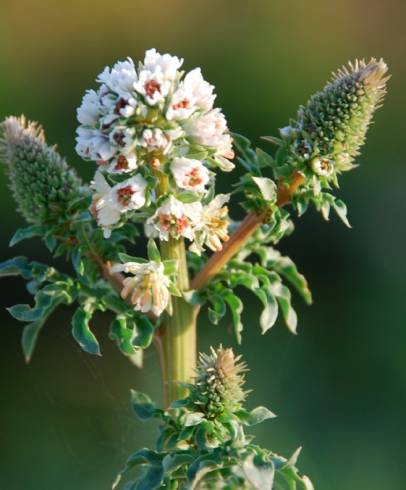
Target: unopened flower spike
column 330, row 129
column 42, row 183
column 218, row 387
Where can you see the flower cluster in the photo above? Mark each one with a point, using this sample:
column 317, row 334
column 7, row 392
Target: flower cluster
column 156, row 138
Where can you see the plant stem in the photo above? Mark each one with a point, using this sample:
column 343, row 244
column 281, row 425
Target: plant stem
column 177, row 335
column 178, row 332
column 246, row 229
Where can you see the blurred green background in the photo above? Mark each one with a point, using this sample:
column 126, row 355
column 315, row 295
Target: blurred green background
column 339, row 387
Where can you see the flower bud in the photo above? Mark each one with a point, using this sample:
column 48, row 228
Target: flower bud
column 219, row 383
column 42, row 183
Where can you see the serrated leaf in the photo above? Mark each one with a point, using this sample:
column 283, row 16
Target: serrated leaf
column 82, row 333
column 26, row 233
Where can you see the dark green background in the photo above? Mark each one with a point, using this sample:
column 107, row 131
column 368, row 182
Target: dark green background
column 338, row 387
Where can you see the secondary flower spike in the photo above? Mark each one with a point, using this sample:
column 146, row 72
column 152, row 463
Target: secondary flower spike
column 330, row 129
column 152, row 124
column 42, row 183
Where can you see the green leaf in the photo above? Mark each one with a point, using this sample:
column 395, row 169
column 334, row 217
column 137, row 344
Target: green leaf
column 29, row 338
column 283, row 296
column 18, row 266
column 143, row 332
column 219, row 309
column 153, row 252
column 193, row 419
column 77, row 261
column 123, row 335
column 170, row 267
column 143, row 406
column 31, row 331
column 286, row 267
column 174, row 461
column 26, row 233
column 270, row 311
column 260, row 477
column 129, row 258
column 151, row 478
column 202, row 465
column 81, row 331
column 142, row 456
column 267, row 187
column 341, row 209
column 256, row 416
column 236, row 307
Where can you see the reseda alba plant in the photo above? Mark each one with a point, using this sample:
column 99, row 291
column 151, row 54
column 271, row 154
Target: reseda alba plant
column 158, row 142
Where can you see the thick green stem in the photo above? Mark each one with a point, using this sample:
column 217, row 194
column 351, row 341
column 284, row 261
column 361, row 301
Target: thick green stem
column 176, row 340
column 178, row 333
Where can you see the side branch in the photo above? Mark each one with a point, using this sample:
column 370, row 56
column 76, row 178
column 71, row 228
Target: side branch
column 246, row 229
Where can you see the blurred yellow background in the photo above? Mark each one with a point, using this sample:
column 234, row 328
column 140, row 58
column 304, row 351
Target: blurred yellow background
column 339, row 387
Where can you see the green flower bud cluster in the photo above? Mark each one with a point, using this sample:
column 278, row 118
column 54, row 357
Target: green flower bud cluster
column 42, row 183
column 202, row 442
column 331, row 128
column 219, row 383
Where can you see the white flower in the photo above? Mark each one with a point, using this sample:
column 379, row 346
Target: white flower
column 119, row 79
column 130, row 194
column 148, row 288
column 91, row 144
column 155, row 139
column 123, row 163
column 213, row 227
column 193, row 93
column 210, row 129
column 167, row 64
column 152, row 86
column 322, row 166
column 109, row 203
column 190, row 174
column 103, row 207
column 89, row 111
column 174, row 218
